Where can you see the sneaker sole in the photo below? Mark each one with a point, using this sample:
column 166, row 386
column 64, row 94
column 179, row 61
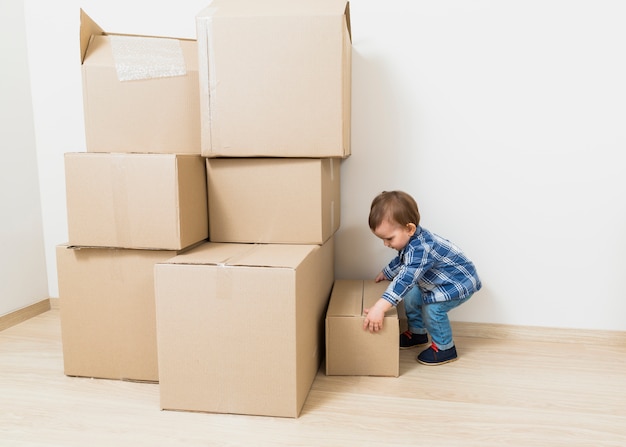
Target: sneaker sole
column 414, row 346
column 437, row 363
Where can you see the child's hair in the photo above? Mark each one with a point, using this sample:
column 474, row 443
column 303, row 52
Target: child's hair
column 394, row 206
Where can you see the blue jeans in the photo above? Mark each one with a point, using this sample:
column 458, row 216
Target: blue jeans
column 430, row 318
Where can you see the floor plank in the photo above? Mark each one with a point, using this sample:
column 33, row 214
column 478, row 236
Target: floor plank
column 501, row 392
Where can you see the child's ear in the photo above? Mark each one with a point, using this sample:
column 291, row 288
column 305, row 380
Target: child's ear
column 411, row 228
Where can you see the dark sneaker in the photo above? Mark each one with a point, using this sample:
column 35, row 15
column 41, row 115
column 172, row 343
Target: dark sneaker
column 409, row 340
column 435, row 356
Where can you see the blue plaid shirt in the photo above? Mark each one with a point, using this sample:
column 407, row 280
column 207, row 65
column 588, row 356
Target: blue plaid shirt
column 435, row 265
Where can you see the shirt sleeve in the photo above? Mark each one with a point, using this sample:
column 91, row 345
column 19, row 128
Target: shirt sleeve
column 391, row 270
column 410, row 267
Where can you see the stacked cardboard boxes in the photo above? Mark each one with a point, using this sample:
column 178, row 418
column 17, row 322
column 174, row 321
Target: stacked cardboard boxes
column 201, row 217
column 135, row 198
column 275, row 123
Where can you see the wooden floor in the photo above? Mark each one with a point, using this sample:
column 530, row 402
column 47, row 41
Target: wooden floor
column 501, row 392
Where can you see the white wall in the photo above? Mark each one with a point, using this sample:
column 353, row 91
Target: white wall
column 22, row 264
column 54, row 55
column 504, row 119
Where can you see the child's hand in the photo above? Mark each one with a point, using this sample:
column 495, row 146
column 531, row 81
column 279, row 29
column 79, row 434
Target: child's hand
column 375, row 315
column 380, row 277
column 373, row 319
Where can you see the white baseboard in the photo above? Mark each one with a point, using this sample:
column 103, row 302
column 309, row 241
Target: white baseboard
column 533, row 333
column 538, row 333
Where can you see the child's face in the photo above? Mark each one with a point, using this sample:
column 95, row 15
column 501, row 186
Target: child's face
column 394, row 235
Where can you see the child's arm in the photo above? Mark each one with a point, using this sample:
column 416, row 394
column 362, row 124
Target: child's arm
column 375, row 315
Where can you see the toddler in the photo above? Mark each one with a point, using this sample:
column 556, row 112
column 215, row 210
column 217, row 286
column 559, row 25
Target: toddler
column 430, row 274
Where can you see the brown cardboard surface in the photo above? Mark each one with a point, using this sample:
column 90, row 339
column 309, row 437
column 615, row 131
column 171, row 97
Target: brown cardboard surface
column 108, row 322
column 275, row 78
column 273, row 200
column 142, row 201
column 240, row 326
column 157, row 115
column 347, row 342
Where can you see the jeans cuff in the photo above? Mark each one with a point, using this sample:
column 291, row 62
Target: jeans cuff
column 444, row 347
column 415, row 330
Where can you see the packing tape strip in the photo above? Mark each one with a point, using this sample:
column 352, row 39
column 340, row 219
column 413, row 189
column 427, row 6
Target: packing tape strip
column 139, row 57
column 121, row 208
column 234, row 259
column 208, row 75
column 225, row 281
column 332, row 202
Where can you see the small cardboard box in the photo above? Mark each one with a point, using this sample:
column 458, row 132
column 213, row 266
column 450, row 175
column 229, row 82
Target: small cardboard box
column 275, row 78
column 273, row 200
column 240, row 327
column 347, row 342
column 140, row 93
column 108, row 323
column 142, row 201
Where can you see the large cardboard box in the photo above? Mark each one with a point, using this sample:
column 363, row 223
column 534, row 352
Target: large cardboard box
column 140, row 93
column 347, row 342
column 273, row 200
column 240, row 327
column 142, row 201
column 108, row 323
column 275, row 78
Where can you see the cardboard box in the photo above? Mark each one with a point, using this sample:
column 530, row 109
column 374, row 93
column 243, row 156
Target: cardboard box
column 108, row 323
column 143, row 201
column 140, row 93
column 240, row 327
column 273, row 200
column 346, row 341
column 275, row 78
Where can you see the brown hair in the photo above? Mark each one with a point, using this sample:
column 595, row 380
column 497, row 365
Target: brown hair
column 394, row 206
